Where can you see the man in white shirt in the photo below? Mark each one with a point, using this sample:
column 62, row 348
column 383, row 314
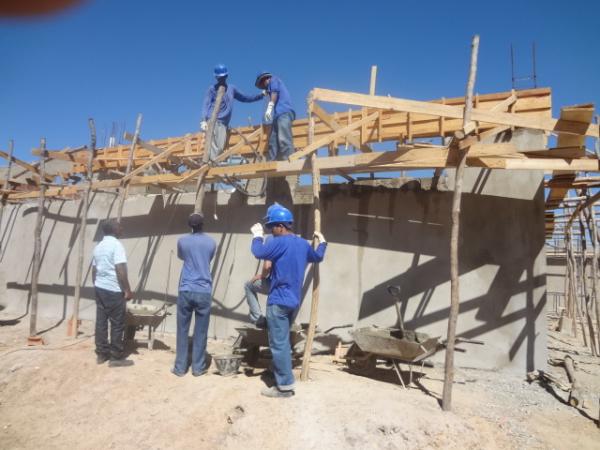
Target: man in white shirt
column 109, row 273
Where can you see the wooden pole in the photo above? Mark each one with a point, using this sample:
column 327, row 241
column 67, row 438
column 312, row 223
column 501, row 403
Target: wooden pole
column 586, row 294
column 372, row 84
column 596, row 284
column 11, row 147
column 85, row 204
column 37, row 247
column 314, row 305
column 125, row 188
column 454, row 269
column 208, row 138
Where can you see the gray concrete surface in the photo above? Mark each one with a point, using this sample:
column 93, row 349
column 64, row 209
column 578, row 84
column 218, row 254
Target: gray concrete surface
column 378, row 236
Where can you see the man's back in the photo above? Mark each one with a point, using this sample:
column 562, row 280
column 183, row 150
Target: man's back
column 196, row 250
column 107, row 254
column 290, row 255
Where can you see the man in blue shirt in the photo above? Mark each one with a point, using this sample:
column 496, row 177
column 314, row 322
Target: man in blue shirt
column 289, row 254
column 109, row 275
column 281, row 113
column 195, row 296
column 224, row 114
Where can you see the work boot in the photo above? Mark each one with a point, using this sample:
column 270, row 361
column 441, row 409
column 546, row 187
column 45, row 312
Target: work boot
column 261, row 323
column 101, row 359
column 120, row 363
column 274, row 392
column 179, row 374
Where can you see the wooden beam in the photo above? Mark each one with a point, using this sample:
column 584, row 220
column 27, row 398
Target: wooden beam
column 327, row 139
column 335, row 126
column 433, row 109
column 163, row 155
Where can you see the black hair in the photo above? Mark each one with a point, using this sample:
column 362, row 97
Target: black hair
column 110, row 227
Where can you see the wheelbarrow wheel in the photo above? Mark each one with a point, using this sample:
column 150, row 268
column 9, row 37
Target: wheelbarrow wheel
column 359, row 362
column 130, row 332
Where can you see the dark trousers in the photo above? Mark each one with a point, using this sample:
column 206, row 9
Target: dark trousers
column 110, row 307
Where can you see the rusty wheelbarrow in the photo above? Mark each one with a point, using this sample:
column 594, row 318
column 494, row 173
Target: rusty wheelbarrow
column 251, row 339
column 395, row 345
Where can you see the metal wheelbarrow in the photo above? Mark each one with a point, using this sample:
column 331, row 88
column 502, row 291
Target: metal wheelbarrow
column 251, row 339
column 395, row 345
column 140, row 315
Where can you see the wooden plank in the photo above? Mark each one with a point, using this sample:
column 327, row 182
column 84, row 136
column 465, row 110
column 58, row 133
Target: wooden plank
column 164, row 155
column 125, row 183
column 327, row 139
column 335, row 126
column 433, row 109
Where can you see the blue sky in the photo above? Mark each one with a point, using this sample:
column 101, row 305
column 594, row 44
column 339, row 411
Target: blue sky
column 112, row 59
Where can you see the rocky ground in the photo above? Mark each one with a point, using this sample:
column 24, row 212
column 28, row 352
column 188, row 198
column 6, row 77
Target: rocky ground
column 57, row 397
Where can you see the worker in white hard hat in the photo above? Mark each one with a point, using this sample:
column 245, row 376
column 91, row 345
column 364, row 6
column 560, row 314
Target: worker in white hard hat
column 219, row 137
column 289, row 255
column 280, row 113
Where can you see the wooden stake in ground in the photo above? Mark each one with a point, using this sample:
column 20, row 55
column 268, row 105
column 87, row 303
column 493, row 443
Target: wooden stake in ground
column 85, row 202
column 11, row 147
column 314, row 305
column 125, row 188
column 454, row 269
column 37, row 248
column 586, row 294
column 208, row 138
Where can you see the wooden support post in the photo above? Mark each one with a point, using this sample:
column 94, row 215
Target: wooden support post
column 454, row 269
column 596, row 285
column 37, row 250
column 372, row 84
column 314, row 305
column 575, row 396
column 586, row 294
column 73, row 328
column 11, row 147
column 125, row 187
column 208, row 138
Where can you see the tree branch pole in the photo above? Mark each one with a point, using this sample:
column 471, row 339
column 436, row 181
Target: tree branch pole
column 208, row 138
column 314, row 305
column 454, row 269
column 596, row 285
column 11, row 147
column 586, row 294
column 125, row 188
column 37, row 247
column 85, row 204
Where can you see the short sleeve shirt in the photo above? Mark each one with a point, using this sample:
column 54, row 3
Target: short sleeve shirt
column 107, row 254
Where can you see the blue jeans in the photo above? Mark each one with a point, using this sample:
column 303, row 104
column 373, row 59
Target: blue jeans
column 252, row 288
column 279, row 320
column 188, row 303
column 281, row 144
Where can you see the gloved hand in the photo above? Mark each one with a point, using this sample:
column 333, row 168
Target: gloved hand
column 269, row 112
column 264, row 93
column 320, row 237
column 203, row 125
column 257, row 230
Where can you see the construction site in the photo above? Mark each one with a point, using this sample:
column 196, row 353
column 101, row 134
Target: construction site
column 457, row 305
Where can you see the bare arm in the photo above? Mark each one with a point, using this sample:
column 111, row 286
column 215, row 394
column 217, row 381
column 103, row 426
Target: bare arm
column 274, row 97
column 121, row 270
column 94, row 275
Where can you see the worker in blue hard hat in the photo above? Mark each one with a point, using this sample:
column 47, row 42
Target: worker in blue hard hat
column 289, row 255
column 281, row 113
column 219, row 136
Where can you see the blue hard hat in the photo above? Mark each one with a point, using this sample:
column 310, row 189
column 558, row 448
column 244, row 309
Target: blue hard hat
column 278, row 214
column 260, row 77
column 221, row 71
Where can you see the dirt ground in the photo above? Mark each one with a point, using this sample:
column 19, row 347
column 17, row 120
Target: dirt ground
column 57, row 397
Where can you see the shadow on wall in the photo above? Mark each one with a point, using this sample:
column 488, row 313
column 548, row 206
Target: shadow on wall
column 497, row 231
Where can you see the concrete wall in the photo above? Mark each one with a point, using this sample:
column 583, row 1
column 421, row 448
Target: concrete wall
column 378, row 236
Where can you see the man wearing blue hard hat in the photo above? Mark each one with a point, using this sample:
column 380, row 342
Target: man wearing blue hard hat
column 289, row 255
column 219, row 136
column 281, row 113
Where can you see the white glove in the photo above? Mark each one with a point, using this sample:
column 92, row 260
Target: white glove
column 257, row 230
column 320, row 237
column 264, row 93
column 203, row 125
column 269, row 112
